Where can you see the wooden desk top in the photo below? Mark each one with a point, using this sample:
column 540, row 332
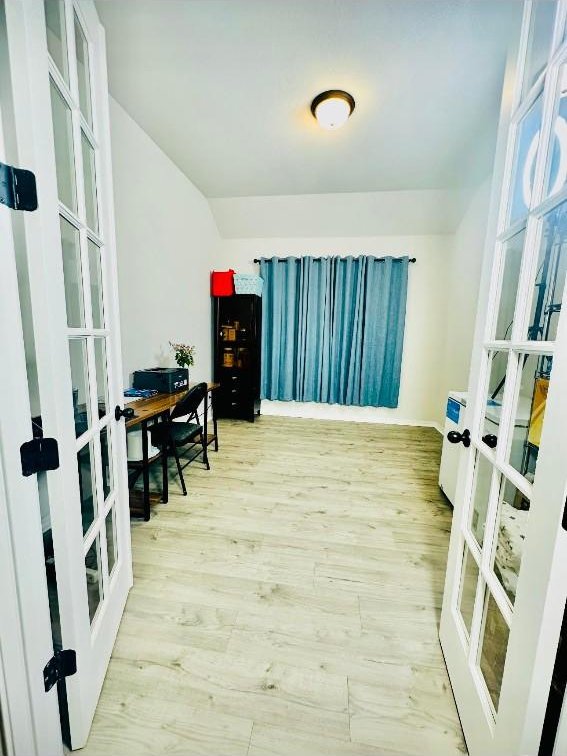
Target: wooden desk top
column 145, row 409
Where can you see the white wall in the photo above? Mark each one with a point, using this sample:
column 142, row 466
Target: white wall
column 166, row 238
column 421, row 391
column 464, row 282
column 432, row 211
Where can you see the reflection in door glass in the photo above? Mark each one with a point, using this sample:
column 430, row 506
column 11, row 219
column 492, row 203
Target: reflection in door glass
column 480, row 496
column 529, row 412
column 106, row 456
column 550, row 276
column 467, row 592
column 89, row 174
column 86, row 486
column 72, row 274
column 557, row 169
column 111, row 540
column 101, row 379
column 56, row 35
column 83, row 72
column 93, row 576
column 493, row 649
column 64, row 156
column 511, row 535
column 81, row 405
column 509, row 289
column 524, row 161
column 95, row 271
column 541, row 35
column 496, row 383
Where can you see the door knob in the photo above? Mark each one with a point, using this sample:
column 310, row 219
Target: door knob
column 454, row 437
column 126, row 413
column 490, row 440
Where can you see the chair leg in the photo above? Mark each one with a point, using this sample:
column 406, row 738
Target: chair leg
column 164, row 474
column 205, row 456
column 179, row 470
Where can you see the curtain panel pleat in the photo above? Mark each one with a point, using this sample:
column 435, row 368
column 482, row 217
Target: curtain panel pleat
column 333, row 329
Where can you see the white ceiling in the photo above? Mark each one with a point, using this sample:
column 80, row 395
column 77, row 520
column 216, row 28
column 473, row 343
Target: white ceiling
column 224, row 88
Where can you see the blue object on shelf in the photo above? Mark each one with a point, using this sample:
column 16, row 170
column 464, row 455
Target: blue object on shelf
column 247, row 283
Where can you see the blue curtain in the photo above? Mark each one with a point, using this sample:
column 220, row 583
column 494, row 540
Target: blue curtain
column 333, row 329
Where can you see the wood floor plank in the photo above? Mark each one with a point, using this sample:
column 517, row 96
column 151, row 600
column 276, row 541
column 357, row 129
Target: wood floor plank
column 417, row 710
column 290, row 603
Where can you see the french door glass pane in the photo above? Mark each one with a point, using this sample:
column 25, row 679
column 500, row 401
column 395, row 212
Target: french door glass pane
column 557, row 171
column 81, row 408
column 72, row 276
column 493, row 649
column 90, row 183
column 64, row 156
column 101, row 381
column 467, row 593
column 529, row 412
column 93, row 576
column 541, row 35
column 86, row 486
column 524, row 161
column 106, row 456
column 550, row 276
column 496, row 383
column 480, row 496
column 83, row 72
column 511, row 535
column 111, row 540
column 57, row 36
column 95, row 271
column 511, row 275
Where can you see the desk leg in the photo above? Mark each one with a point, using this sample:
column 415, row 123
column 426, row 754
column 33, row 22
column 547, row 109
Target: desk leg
column 164, row 464
column 146, row 470
column 214, row 417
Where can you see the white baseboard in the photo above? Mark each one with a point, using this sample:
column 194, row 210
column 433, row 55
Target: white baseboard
column 321, row 411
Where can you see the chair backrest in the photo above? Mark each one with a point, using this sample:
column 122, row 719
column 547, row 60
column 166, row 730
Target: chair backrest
column 190, row 402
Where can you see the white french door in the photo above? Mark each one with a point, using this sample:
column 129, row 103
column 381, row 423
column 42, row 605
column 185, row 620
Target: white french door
column 506, row 584
column 29, row 717
column 60, row 93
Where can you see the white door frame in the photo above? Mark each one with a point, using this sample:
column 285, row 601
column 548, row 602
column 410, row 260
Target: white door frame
column 31, row 93
column 542, row 586
column 30, row 715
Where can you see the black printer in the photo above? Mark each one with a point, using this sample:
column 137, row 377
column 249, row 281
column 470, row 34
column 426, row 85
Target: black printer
column 165, row 380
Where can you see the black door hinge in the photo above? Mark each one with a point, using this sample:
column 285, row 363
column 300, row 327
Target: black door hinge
column 17, row 188
column 62, row 664
column 38, row 455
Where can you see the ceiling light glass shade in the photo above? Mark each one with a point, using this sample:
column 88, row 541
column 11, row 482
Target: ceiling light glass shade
column 332, row 109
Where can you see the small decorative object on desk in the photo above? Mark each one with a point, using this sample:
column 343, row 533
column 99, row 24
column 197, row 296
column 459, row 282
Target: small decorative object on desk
column 247, row 283
column 184, row 354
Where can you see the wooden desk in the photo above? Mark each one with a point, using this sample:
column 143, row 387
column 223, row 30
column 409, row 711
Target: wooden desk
column 154, row 408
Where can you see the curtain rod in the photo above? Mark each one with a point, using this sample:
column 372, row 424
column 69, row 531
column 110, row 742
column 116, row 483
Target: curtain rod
column 298, row 259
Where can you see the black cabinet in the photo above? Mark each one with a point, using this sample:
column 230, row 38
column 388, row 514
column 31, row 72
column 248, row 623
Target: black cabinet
column 237, row 342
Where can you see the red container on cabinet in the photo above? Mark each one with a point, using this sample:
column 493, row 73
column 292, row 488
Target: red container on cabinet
column 222, row 283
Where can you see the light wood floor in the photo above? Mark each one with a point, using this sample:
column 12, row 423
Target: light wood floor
column 288, row 606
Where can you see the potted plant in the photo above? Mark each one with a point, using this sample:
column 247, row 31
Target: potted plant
column 184, row 356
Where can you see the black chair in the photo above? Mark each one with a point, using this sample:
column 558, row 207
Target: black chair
column 170, row 437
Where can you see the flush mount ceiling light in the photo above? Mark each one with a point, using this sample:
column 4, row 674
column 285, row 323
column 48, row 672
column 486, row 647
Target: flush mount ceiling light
column 332, row 108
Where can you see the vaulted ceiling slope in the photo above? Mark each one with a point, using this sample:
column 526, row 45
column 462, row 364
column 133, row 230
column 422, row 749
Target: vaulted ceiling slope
column 224, row 87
